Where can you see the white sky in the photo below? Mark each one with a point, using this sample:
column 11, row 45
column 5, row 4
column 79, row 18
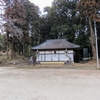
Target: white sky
column 42, row 3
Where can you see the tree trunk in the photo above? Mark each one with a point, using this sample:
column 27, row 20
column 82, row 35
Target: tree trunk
column 7, row 50
column 92, row 37
column 23, row 49
column 13, row 53
column 26, row 50
column 7, row 45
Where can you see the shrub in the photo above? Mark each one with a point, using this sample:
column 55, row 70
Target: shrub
column 0, row 62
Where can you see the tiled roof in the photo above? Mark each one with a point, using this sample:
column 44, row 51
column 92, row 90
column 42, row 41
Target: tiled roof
column 55, row 44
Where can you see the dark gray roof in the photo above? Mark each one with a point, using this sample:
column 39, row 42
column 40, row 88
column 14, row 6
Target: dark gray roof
column 55, row 44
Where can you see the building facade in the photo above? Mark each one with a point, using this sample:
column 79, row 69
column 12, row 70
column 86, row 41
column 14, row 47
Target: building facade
column 54, row 50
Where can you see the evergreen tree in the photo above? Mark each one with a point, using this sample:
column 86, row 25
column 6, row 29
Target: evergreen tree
column 88, row 9
column 61, row 19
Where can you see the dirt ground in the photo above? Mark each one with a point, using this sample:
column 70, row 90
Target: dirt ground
column 50, row 82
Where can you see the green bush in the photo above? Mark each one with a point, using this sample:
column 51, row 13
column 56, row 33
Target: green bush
column 0, row 62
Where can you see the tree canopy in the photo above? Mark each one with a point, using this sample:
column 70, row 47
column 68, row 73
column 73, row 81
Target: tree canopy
column 89, row 9
column 70, row 19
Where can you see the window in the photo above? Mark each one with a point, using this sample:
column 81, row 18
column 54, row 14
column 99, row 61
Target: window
column 55, row 52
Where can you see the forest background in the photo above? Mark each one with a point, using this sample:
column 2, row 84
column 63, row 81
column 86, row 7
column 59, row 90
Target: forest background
column 23, row 25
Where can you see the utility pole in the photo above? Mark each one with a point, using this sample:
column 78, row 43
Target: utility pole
column 97, row 57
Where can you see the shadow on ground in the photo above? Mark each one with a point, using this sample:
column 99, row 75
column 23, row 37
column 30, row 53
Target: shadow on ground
column 59, row 65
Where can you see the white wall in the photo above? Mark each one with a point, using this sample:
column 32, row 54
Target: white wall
column 52, row 56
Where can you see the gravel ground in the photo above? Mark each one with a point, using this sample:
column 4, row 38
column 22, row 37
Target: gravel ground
column 49, row 84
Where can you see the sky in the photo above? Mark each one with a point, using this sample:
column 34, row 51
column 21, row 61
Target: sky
column 42, row 3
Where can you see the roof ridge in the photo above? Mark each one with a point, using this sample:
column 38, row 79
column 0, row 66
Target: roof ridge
column 56, row 44
column 56, row 39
